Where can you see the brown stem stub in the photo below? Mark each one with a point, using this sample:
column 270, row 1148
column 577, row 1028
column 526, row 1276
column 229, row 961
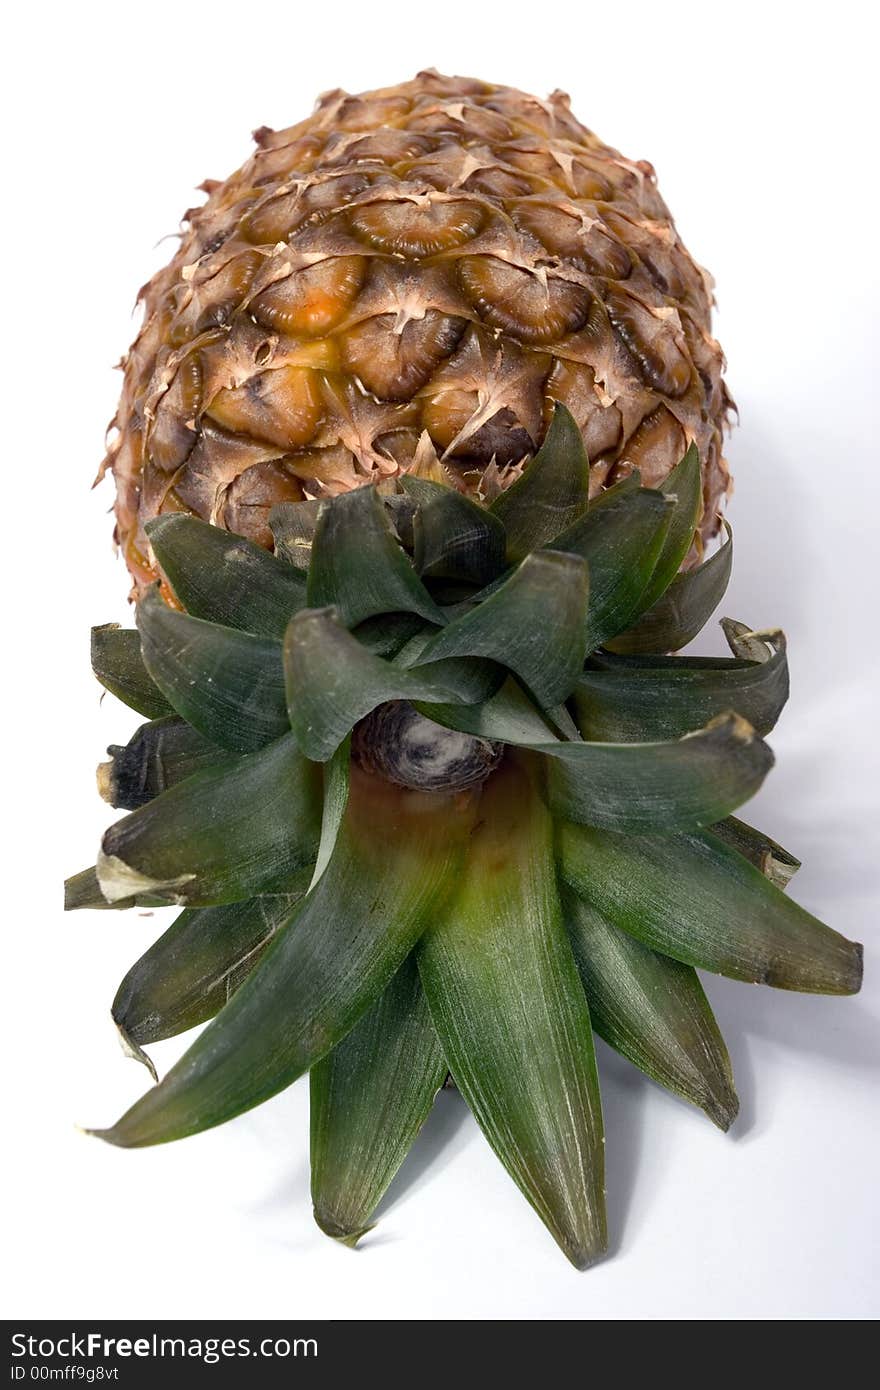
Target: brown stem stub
column 401, row 745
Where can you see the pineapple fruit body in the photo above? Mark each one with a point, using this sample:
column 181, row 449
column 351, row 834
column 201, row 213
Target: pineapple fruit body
column 409, row 279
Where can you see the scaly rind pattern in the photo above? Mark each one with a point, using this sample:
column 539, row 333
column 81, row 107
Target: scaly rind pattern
column 499, row 926
column 409, row 279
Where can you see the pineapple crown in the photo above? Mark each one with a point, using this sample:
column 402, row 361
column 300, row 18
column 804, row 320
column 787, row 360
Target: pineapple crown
column 540, row 622
column 416, row 687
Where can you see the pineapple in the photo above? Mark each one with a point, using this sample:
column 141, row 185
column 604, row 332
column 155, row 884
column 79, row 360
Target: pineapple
column 421, row 764
column 410, row 279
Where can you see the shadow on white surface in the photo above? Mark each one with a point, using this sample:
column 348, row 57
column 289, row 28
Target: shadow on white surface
column 623, row 1100
column 288, row 1195
column 841, row 1034
column 441, row 1136
column 774, row 569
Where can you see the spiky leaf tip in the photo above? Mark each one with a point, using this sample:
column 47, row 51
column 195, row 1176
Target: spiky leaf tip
column 324, row 966
column 369, row 1098
column 508, row 1006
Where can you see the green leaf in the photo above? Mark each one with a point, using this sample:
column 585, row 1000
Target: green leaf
column 508, row 716
column 677, row 784
column 228, row 684
column 606, row 503
column 453, row 537
column 192, row 971
column 390, row 632
column 626, row 786
column 337, row 784
column 562, row 722
column 469, row 679
column 653, row 1011
column 610, row 496
column 685, row 484
column 226, row 833
column 684, row 609
column 472, row 679
column 774, row 862
column 511, row 1015
column 396, row 857
column 293, row 529
column 534, row 625
column 358, row 566
column 82, row 890
column 224, row 578
column 119, row 666
column 401, row 509
column 551, row 494
column 157, row 756
column 694, row 898
column 681, row 784
column 332, row 682
column 621, row 538
column 629, row 698
column 195, row 968
column 370, row 1097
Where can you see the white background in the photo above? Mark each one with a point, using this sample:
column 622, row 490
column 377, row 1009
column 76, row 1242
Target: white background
column 758, row 119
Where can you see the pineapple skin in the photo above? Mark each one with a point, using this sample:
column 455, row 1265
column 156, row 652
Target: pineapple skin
column 409, row 279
